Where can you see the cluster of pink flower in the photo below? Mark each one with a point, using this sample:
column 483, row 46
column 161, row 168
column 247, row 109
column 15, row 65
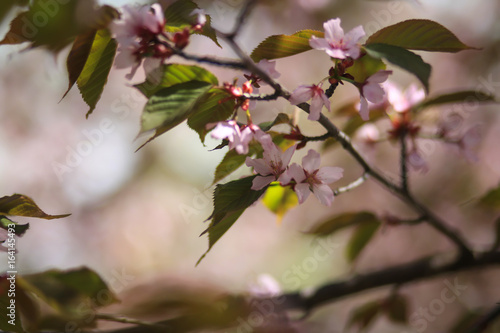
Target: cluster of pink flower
column 139, row 33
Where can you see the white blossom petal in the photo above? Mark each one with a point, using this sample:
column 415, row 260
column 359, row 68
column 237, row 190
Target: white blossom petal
column 329, row 174
column 324, row 194
column 301, row 94
column 260, row 182
column 311, row 161
column 302, row 190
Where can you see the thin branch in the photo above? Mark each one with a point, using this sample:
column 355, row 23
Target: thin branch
column 317, row 138
column 352, row 185
column 396, row 275
column 235, row 64
column 242, row 16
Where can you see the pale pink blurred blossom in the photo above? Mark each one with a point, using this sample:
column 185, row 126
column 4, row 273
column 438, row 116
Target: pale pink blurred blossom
column 372, row 91
column 337, row 44
column 314, row 93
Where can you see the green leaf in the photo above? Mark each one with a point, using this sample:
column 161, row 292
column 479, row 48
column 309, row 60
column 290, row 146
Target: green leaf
column 280, row 46
column 172, row 74
column 456, row 97
column 403, row 58
column 230, row 201
column 280, row 199
column 396, row 308
column 365, row 66
column 232, row 161
column 281, row 118
column 21, row 205
column 55, row 25
column 360, row 238
column 171, row 106
column 211, row 108
column 95, row 73
column 65, row 291
column 78, row 57
column 364, row 315
column 337, row 222
column 19, row 229
column 491, row 199
column 425, row 35
column 178, row 17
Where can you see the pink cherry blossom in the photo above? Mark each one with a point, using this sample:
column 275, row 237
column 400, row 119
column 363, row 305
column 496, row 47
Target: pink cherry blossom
column 311, row 178
column 371, row 90
column 238, row 138
column 134, row 31
column 402, row 101
column 272, row 165
column 269, row 67
column 314, row 93
column 469, row 141
column 337, row 44
column 201, row 18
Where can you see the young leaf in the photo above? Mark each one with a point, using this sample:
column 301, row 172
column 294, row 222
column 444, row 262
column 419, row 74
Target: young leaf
column 171, row 106
column 365, row 66
column 456, row 97
column 230, row 201
column 280, row 46
column 403, row 58
column 178, row 16
column 425, row 35
column 364, row 315
column 95, row 73
column 172, row 74
column 491, row 199
column 337, row 222
column 281, row 118
column 19, row 229
column 78, row 57
column 360, row 238
column 280, row 199
column 21, row 205
column 213, row 107
column 232, row 161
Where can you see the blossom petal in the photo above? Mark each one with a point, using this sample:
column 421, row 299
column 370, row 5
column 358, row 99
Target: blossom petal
column 287, row 156
column 260, row 166
column 355, row 35
column 301, row 94
column 319, row 43
column 315, row 109
column 302, row 190
column 363, row 109
column 333, row 31
column 329, row 175
column 379, row 77
column 260, row 182
column 373, row 92
column 296, row 172
column 311, row 161
column 324, row 194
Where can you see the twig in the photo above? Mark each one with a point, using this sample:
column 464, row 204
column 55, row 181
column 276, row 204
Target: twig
column 396, row 275
column 352, row 185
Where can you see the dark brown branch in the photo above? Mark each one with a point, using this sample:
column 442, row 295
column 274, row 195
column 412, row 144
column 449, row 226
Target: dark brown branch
column 400, row 274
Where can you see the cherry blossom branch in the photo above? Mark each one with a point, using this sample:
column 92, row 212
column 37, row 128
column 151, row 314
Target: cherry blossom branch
column 395, row 275
column 352, row 185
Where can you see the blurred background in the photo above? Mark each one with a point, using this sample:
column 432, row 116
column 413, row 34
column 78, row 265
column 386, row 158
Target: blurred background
column 137, row 216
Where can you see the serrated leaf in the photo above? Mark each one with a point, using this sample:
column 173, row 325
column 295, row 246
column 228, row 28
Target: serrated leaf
column 364, row 315
column 171, row 106
column 19, row 229
column 456, row 97
column 425, row 35
column 403, row 58
column 178, row 16
column 21, row 205
column 65, row 291
column 280, row 199
column 396, row 308
column 232, row 161
column 280, row 46
column 364, row 67
column 230, row 201
column 171, row 74
column 337, row 222
column 78, row 56
column 95, row 73
column 491, row 199
column 360, row 238
column 211, row 108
